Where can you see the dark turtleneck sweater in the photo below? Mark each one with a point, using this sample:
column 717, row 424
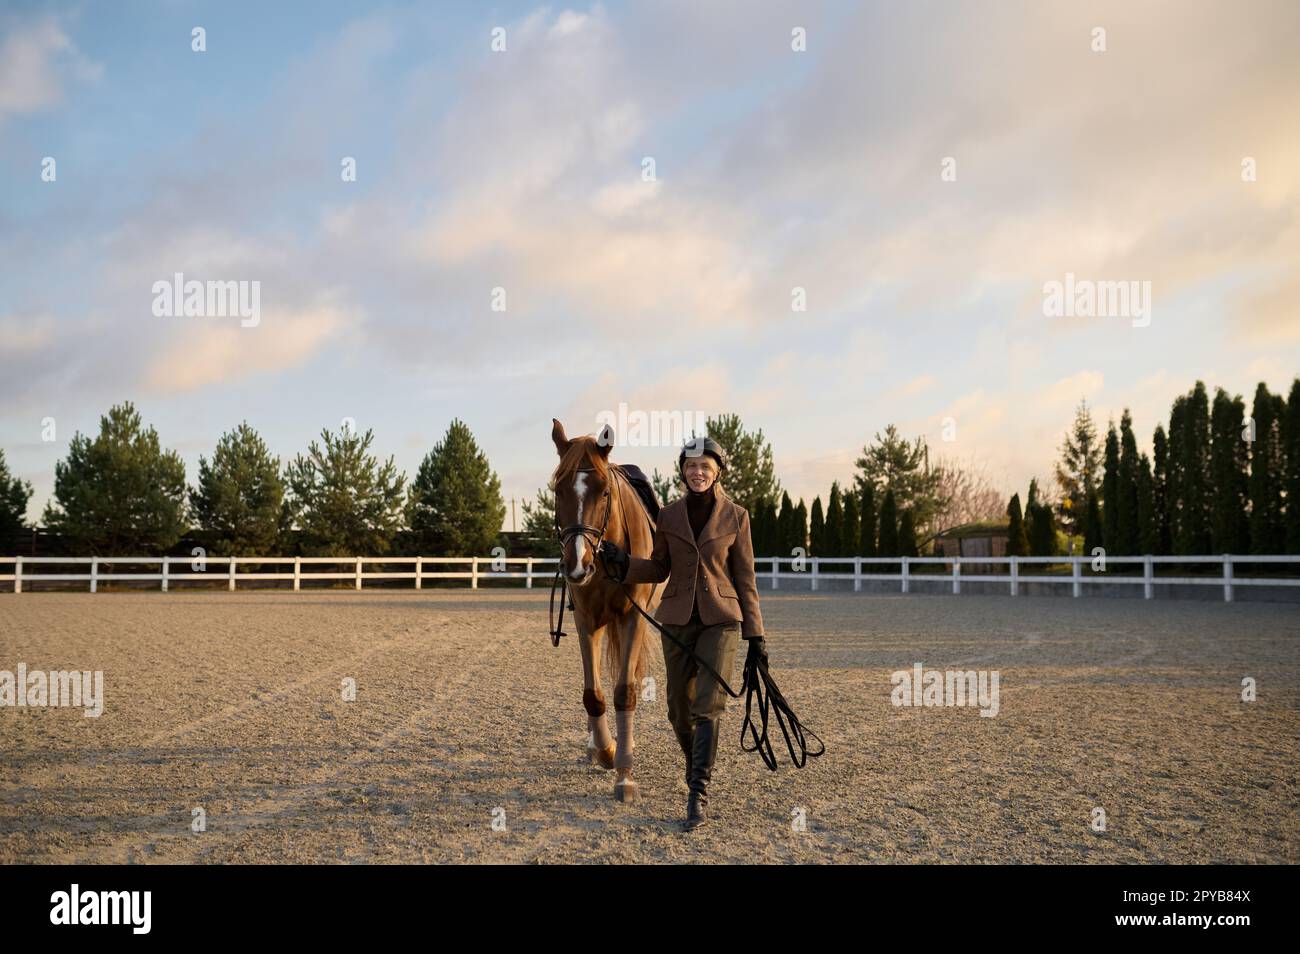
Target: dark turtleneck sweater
column 698, row 508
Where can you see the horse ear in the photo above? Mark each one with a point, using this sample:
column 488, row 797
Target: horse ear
column 605, row 440
column 557, row 434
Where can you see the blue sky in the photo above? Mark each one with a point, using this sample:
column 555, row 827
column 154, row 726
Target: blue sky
column 523, row 170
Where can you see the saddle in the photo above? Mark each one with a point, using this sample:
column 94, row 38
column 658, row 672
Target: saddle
column 641, row 483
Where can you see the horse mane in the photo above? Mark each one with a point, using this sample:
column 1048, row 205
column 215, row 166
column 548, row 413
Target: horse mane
column 582, row 450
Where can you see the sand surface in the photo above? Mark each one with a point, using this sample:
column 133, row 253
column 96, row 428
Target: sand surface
column 231, row 702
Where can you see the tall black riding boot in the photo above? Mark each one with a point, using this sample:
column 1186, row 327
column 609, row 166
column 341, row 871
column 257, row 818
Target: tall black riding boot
column 686, row 742
column 704, row 751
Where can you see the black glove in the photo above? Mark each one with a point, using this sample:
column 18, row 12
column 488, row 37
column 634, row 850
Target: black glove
column 615, row 559
column 757, row 651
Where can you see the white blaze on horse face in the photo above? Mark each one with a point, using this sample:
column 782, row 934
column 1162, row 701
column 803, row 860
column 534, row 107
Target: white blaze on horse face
column 578, row 571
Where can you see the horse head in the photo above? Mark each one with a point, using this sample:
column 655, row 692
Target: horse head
column 584, row 501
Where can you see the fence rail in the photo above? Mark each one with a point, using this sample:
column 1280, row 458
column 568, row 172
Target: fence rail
column 179, row 570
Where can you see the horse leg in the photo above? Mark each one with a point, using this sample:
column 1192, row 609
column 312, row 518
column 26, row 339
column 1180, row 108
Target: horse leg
column 625, row 693
column 600, row 746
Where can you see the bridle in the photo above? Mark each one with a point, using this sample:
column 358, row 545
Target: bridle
column 564, row 533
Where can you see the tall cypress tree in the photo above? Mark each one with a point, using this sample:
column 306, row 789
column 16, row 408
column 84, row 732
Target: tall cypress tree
column 1267, row 532
column 867, row 516
column 849, row 542
column 785, row 526
column 800, row 527
column 1130, row 536
column 907, row 534
column 834, row 523
column 1092, row 538
column 1229, row 464
column 1146, row 507
column 1160, row 492
column 1175, row 480
column 817, row 533
column 1017, row 542
column 1291, row 452
column 888, row 526
column 1194, row 503
column 1110, row 493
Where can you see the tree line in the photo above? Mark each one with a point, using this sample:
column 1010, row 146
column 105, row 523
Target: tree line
column 1216, row 481
column 121, row 493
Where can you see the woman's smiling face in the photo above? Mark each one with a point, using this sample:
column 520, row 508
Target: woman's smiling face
column 700, row 472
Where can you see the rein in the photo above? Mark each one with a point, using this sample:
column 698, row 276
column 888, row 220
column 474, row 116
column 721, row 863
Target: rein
column 757, row 685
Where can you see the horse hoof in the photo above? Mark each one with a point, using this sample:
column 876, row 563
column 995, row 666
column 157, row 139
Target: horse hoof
column 602, row 757
column 625, row 791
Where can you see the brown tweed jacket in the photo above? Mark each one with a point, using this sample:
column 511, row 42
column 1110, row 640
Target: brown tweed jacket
column 718, row 572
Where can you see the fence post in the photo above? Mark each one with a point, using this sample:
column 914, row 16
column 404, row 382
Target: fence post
column 94, row 574
column 1148, row 574
column 297, row 573
column 167, row 563
column 956, row 574
column 1077, row 585
column 419, row 573
column 857, row 574
column 232, row 573
column 18, row 575
column 528, row 574
column 1015, row 576
column 1227, row 578
column 358, row 572
column 776, row 572
column 473, row 573
column 905, row 580
column 815, row 562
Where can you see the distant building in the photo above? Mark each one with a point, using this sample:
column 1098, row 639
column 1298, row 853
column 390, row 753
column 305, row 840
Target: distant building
column 986, row 538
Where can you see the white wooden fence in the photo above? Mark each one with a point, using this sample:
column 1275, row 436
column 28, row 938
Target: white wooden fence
column 809, row 570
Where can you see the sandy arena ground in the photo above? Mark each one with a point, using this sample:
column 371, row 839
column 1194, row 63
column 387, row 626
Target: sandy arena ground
column 231, row 702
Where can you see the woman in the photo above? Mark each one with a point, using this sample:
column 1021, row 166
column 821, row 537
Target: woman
column 702, row 547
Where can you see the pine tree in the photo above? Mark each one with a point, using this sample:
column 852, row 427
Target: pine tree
column 834, row 523
column 1110, row 493
column 817, row 533
column 539, row 525
column 888, row 526
column 239, row 499
column 1229, row 470
column 343, row 499
column 893, row 463
column 121, row 493
column 456, row 507
column 14, row 496
column 1079, row 470
column 801, row 526
column 1017, row 542
column 868, row 519
column 1267, row 474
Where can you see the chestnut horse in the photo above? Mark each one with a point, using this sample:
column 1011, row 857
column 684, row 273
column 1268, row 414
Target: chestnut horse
column 595, row 502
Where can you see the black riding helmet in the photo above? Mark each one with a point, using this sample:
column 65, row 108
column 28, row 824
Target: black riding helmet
column 702, row 445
